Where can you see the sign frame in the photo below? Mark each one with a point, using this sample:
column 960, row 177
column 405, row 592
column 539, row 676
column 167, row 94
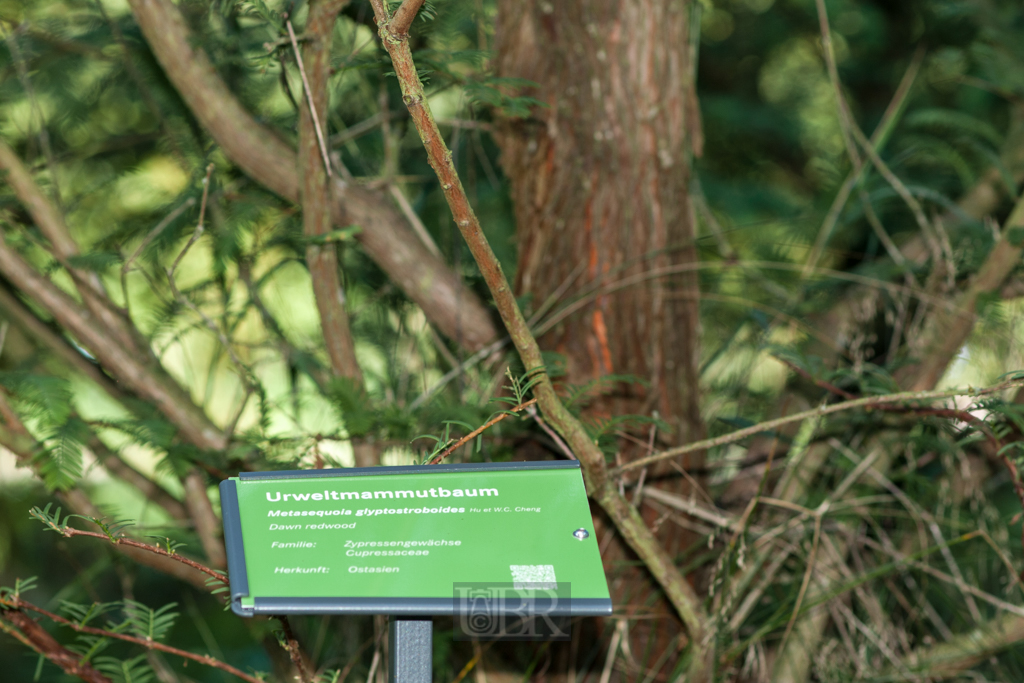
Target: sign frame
column 245, row 605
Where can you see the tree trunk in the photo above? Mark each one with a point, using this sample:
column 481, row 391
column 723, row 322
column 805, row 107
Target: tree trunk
column 599, row 181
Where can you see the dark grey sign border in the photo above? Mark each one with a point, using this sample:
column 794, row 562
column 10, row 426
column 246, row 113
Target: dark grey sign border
column 239, row 578
column 411, row 607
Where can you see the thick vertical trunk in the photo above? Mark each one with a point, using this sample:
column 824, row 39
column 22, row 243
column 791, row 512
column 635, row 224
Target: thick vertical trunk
column 599, row 180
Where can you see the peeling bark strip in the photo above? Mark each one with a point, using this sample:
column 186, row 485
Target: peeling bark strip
column 599, row 177
column 458, row 313
column 322, row 259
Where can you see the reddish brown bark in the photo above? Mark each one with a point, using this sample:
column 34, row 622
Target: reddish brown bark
column 599, row 180
column 599, row 183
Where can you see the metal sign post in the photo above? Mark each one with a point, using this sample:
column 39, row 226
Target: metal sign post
column 410, row 647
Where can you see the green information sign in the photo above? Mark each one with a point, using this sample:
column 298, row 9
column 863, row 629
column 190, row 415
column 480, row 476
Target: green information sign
column 399, row 540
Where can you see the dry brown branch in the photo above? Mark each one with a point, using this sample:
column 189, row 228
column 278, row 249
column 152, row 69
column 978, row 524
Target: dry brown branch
column 31, row 634
column 625, row 517
column 18, row 604
column 456, row 311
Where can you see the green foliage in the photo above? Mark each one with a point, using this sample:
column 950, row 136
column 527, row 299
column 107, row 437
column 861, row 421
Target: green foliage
column 52, row 521
column 60, row 463
column 148, row 623
column 135, row 670
column 20, row 586
column 168, row 544
column 519, row 387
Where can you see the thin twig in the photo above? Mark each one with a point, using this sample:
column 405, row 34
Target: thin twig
column 69, row 532
column 959, row 583
column 198, row 232
column 878, row 137
column 479, row 430
column 866, row 403
column 819, row 513
column 244, row 373
column 152, row 235
column 552, row 434
column 309, row 99
column 414, row 220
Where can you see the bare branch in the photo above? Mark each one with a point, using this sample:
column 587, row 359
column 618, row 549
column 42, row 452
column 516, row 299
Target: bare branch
column 294, row 649
column 458, row 313
column 69, row 532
